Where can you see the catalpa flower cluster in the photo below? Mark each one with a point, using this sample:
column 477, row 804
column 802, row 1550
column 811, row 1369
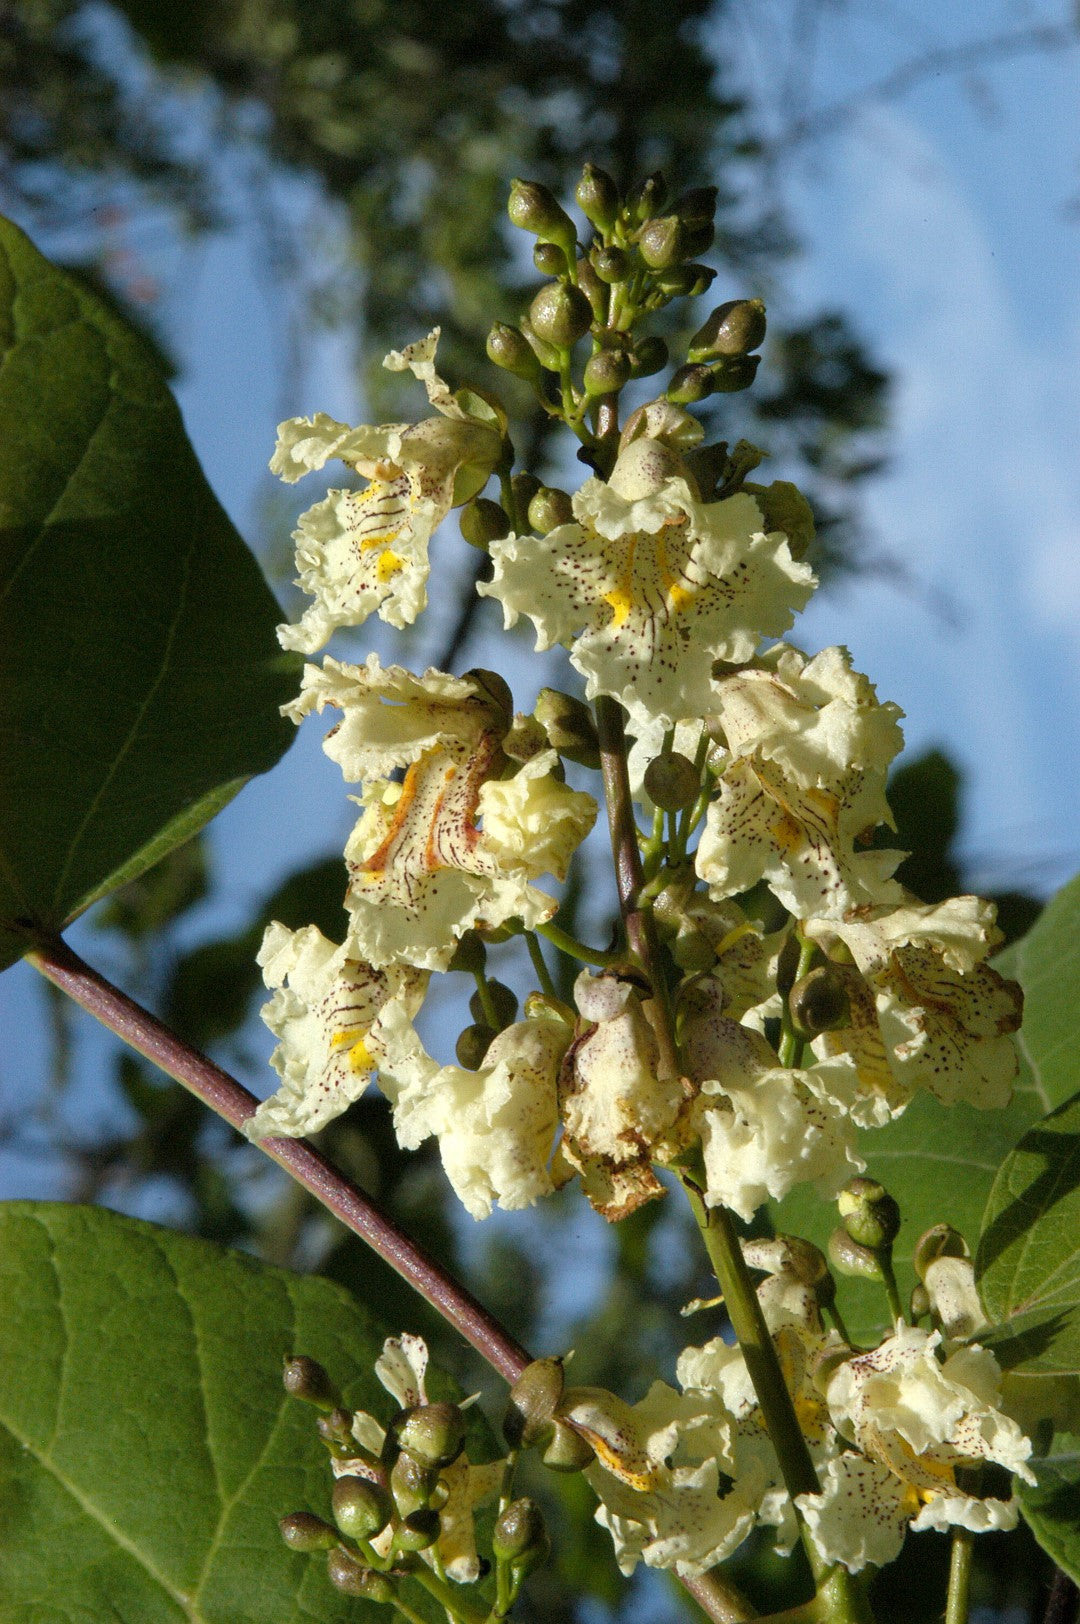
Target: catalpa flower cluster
column 796, row 995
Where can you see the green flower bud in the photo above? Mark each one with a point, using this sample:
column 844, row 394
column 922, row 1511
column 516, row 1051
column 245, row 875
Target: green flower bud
column 593, row 288
column 349, row 1576
column 518, row 1531
column 819, row 1002
column 335, row 1430
column 411, row 1482
column 784, row 507
column 560, row 314
column 611, row 264
column 533, row 1400
column 737, row 372
column 689, row 385
column 805, row 1260
column 597, row 197
column 511, row 350
column 470, row 954
column 569, row 725
column 567, row 1450
column 482, row 522
column 647, row 198
column 871, row 1216
column 306, row 1379
column 661, row 242
column 940, row 1240
column 361, row 1509
column 433, row 1434
column 672, row 781
column 473, row 1044
column 693, row 952
column 649, row 355
column 547, row 354
column 920, row 1303
column 506, row 1007
column 733, row 329
column 699, row 238
column 606, row 372
column 419, row 1530
column 697, row 206
column 302, row 1531
column 685, row 281
column 549, row 508
column 549, row 259
column 534, row 208
column 525, row 487
column 849, row 1258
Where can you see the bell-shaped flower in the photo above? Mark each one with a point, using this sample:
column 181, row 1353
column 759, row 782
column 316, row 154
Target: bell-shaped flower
column 763, row 1127
column 925, row 1010
column 663, row 1475
column 421, row 869
column 922, row 1420
column 496, row 1127
column 358, row 551
column 615, row 1107
column 532, row 821
column 804, row 787
column 648, row 586
column 326, row 1003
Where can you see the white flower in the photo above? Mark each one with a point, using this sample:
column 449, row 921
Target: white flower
column 421, row 871
column 323, row 1010
column 615, row 1107
column 648, row 586
column 534, row 822
column 861, row 1515
column 662, row 1476
column 496, row 1127
column 810, row 746
column 358, row 551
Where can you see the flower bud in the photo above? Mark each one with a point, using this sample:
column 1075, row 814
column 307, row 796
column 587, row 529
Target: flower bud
column 649, row 355
column 511, row 350
column 302, row 1531
column 470, row 954
column 804, row 1260
column 593, row 288
column 411, row 1483
column 647, row 198
column 567, row 1450
column 547, row 354
column 672, row 781
column 733, row 329
column 525, row 487
column 549, row 508
column 569, row 725
column 352, row 1578
column 920, row 1303
column 848, row 1257
column 606, row 372
column 611, row 264
column 306, row 1379
column 871, row 1216
column 698, row 239
column 597, row 197
column 335, row 1430
column 482, row 522
column 533, row 1400
column 473, row 1044
column 685, row 281
column 819, row 1002
column 735, row 373
column 361, row 1509
column 519, row 1531
column 418, row 1531
column 433, row 1434
column 534, row 208
column 560, row 314
column 940, row 1240
column 697, row 206
column 549, row 259
column 689, row 385
column 505, row 1001
column 661, row 242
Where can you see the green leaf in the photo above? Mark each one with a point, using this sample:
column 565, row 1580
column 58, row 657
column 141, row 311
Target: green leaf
column 147, row 1447
column 1028, row 1262
column 940, row 1161
column 140, row 674
column 1051, row 1507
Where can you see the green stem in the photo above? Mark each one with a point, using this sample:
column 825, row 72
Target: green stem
column 448, row 1595
column 487, row 1003
column 543, row 974
column 883, row 1257
column 719, row 1599
column 963, row 1545
column 576, row 950
column 791, row 1044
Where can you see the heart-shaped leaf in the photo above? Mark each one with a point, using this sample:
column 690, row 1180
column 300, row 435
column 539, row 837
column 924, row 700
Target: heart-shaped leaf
column 139, row 672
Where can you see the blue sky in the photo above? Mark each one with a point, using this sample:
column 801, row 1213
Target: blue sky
column 939, row 223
